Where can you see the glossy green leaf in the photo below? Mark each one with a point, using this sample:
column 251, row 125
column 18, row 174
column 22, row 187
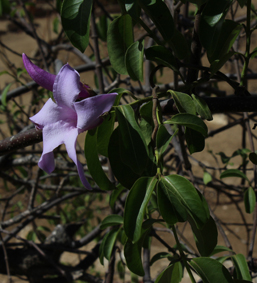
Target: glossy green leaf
column 170, row 208
column 5, row 7
column 241, row 267
column 254, row 53
column 160, row 15
column 181, row 189
column 104, row 132
column 207, row 178
column 242, row 3
column 162, row 137
column 122, row 171
column 179, row 45
column 115, row 194
column 241, row 281
column 205, row 238
column 132, row 8
column 146, row 112
column 133, row 149
column 162, row 56
column 173, row 274
column 111, row 220
column 233, row 173
column 227, row 36
column 195, row 140
column 56, row 25
column 159, row 256
column 217, row 64
column 134, row 60
column 102, row 27
column 253, row 157
column 75, row 15
column 136, row 203
column 210, row 270
column 101, row 249
column 4, row 95
column 110, row 242
column 119, row 38
column 249, row 200
column 132, row 253
column 147, row 130
column 93, row 163
column 202, row 107
column 220, row 249
column 190, row 121
column 211, row 25
column 183, row 102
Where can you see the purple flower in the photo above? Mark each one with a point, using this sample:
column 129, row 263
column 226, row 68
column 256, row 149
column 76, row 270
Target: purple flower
column 73, row 113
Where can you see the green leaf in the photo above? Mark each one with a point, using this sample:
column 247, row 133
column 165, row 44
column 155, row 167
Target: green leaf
column 133, row 149
column 146, row 112
column 102, row 27
column 159, row 256
column 134, row 60
column 136, row 203
column 170, row 208
column 227, row 36
column 181, row 189
column 217, row 64
column 162, row 137
column 4, row 95
column 125, row 175
column 220, row 249
column 162, row 56
column 115, row 194
column 202, row 107
column 161, row 16
column 111, row 220
column 207, row 178
column 190, row 121
column 56, row 25
column 5, row 7
column 241, row 267
column 173, row 274
column 249, row 200
column 132, row 253
column 132, row 8
column 101, row 249
column 179, row 45
column 110, row 242
column 183, row 102
column 205, row 238
column 119, row 38
column 253, row 157
column 242, row 3
column 104, row 132
column 210, row 270
column 93, row 163
column 75, row 15
column 233, row 173
column 254, row 53
column 195, row 140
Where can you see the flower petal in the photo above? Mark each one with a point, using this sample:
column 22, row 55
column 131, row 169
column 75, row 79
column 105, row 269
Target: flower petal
column 41, row 77
column 66, row 86
column 51, row 113
column 53, row 135
column 46, row 162
column 89, row 110
column 70, row 143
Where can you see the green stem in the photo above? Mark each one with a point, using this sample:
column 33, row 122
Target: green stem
column 248, row 42
column 182, row 255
